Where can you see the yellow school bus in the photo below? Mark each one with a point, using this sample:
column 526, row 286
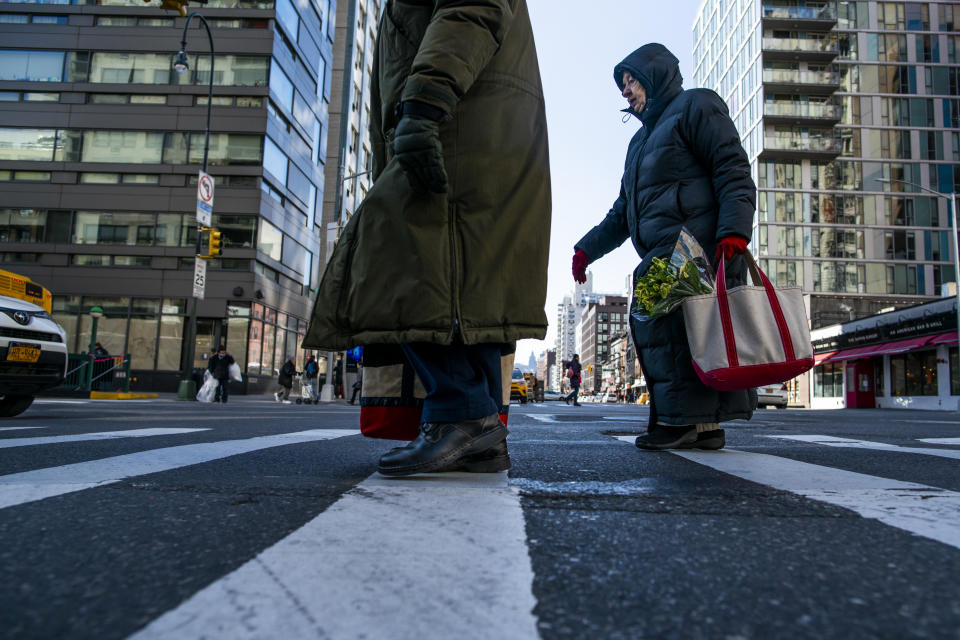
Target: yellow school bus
column 13, row 285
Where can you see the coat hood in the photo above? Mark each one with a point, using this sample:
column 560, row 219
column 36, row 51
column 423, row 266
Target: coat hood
column 658, row 71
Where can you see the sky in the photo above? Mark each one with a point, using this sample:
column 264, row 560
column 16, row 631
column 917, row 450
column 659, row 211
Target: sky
column 578, row 44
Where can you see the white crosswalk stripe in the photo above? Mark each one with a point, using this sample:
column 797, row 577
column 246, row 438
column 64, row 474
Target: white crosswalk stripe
column 391, row 559
column 927, row 511
column 30, row 486
column 955, row 441
column 2, row 429
column 832, row 441
column 101, row 435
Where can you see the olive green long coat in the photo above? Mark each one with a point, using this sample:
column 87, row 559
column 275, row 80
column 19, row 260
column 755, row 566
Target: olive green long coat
column 419, row 267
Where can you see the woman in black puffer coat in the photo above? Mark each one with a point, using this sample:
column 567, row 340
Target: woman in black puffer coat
column 685, row 168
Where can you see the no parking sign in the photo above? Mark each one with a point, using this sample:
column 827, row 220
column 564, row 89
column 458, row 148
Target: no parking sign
column 204, row 199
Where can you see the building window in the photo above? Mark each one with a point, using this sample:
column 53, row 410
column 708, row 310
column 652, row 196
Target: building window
column 878, row 377
column 914, row 374
column 274, row 160
column 32, row 66
column 270, row 241
column 828, row 380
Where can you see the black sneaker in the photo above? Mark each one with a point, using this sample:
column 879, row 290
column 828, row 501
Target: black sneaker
column 668, row 437
column 708, row 441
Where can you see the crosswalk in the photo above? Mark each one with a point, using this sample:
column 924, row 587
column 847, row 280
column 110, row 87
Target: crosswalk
column 453, row 547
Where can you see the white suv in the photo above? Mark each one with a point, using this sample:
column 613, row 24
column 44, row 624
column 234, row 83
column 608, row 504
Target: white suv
column 33, row 354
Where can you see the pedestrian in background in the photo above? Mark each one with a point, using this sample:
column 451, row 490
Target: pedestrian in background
column 285, row 380
column 574, row 369
column 310, row 373
column 461, row 197
column 357, row 384
column 219, row 368
column 685, row 167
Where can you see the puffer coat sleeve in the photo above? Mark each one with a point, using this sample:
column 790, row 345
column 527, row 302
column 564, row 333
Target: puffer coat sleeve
column 444, row 70
column 713, row 139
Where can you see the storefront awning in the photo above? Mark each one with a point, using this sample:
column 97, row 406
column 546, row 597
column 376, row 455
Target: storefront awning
column 944, row 338
column 820, row 357
column 900, row 346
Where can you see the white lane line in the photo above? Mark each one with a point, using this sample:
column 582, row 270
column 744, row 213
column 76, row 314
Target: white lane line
column 60, row 401
column 831, row 441
column 953, row 422
column 29, row 486
column 544, row 418
column 920, row 509
column 2, row 429
column 421, row 557
column 102, row 435
column 940, row 440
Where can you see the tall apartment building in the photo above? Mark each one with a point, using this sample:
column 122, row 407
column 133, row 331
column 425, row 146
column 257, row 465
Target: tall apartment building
column 603, row 321
column 348, row 179
column 546, row 363
column 100, row 145
column 830, row 98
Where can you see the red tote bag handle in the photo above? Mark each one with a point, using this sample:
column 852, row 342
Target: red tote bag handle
column 759, row 278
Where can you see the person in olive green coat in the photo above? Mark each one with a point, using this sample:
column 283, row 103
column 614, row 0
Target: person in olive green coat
column 447, row 254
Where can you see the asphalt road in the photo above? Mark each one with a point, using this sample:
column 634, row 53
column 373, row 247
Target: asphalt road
column 163, row 519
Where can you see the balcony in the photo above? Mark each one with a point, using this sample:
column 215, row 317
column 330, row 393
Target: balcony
column 820, row 83
column 806, row 113
column 805, row 18
column 798, row 147
column 812, row 49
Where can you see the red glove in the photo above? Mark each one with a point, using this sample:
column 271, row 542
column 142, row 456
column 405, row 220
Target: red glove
column 730, row 245
column 580, row 262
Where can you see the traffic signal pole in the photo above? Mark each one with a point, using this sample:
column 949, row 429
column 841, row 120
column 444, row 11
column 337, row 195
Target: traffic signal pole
column 188, row 389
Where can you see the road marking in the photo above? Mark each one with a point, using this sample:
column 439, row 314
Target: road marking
column 60, row 401
column 831, row 441
column 920, row 509
column 102, row 435
column 953, row 422
column 30, row 486
column 940, row 440
column 422, row 557
column 544, row 418
column 2, row 429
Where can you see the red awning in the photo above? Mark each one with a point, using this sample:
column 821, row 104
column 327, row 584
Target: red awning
column 820, row 357
column 899, row 346
column 944, row 338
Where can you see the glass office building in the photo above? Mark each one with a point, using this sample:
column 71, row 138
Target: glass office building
column 100, row 146
column 830, row 99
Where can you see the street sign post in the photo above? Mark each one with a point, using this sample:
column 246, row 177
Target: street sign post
column 204, row 199
column 199, row 278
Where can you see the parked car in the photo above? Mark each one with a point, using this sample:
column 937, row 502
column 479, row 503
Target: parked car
column 772, row 394
column 33, row 354
column 551, row 395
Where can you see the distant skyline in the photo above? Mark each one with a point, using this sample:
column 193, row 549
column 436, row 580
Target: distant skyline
column 578, row 46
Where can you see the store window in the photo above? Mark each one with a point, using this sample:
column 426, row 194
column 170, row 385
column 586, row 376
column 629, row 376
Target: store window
column 914, row 374
column 954, row 373
column 878, row 376
column 828, row 380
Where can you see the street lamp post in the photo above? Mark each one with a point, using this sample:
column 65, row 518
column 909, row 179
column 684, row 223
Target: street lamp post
column 953, row 233
column 187, row 389
column 95, row 314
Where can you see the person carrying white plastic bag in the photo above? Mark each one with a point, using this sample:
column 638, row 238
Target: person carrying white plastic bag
column 220, row 367
column 209, row 389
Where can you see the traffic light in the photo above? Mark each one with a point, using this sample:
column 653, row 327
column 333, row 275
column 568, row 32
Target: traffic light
column 174, row 5
column 214, row 243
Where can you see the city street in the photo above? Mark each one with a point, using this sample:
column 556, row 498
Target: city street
column 164, row 519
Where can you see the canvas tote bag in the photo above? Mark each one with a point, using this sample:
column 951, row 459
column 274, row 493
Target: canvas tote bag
column 391, row 396
column 748, row 336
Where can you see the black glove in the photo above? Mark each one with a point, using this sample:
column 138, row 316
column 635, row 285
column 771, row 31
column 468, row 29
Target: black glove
column 416, row 145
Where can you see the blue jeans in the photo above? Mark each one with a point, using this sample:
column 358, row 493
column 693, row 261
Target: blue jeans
column 573, row 395
column 462, row 381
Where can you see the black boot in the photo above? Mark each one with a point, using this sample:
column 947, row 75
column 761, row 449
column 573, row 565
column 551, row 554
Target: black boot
column 441, row 444
column 708, row 440
column 668, row 437
column 494, row 459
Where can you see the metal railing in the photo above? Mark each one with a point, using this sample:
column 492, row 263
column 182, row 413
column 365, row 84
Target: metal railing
column 802, row 110
column 804, row 45
column 814, row 144
column 87, row 372
column 795, row 76
column 827, row 12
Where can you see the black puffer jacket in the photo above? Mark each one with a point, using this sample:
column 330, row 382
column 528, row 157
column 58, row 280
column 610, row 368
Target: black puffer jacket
column 684, row 167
